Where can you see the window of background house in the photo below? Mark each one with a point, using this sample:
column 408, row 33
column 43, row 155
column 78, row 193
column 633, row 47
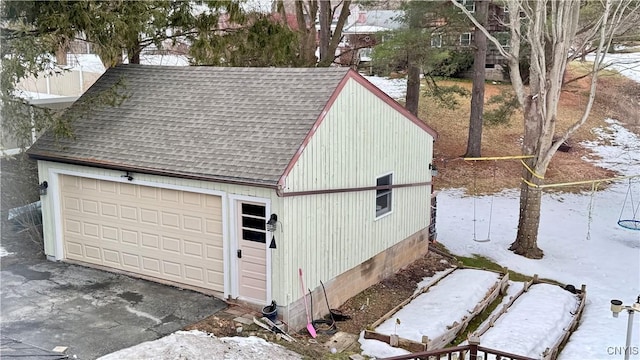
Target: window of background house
column 465, row 39
column 436, row 40
column 470, row 5
column 383, row 196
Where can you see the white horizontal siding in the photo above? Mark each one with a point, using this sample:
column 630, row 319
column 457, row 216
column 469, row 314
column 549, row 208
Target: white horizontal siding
column 360, row 139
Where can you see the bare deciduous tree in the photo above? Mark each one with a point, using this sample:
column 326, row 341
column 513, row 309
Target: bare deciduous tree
column 549, row 28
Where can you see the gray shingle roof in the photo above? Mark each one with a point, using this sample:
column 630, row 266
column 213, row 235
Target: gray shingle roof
column 228, row 124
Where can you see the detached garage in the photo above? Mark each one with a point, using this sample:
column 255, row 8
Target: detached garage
column 229, row 180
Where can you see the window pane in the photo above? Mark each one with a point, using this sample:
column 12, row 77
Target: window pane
column 383, row 196
column 256, row 236
column 384, row 180
column 253, row 223
column 255, row 210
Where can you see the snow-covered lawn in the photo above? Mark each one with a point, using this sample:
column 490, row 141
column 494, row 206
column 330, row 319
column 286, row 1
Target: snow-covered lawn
column 199, row 345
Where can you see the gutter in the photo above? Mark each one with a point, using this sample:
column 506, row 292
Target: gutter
column 148, row 171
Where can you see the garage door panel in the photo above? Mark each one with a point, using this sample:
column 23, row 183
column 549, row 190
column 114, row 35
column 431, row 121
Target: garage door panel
column 91, row 230
column 171, row 244
column 130, row 261
column 88, row 184
column 151, row 241
column 150, row 264
column 170, row 196
column 192, row 223
column 163, row 233
column 93, row 252
column 129, row 237
column 108, row 187
column 194, row 273
column 111, row 258
column 193, row 249
column 89, row 206
column 74, row 249
column 70, row 203
column 214, row 252
column 73, row 226
column 193, row 199
column 126, row 190
column 109, row 209
column 147, row 192
column 171, row 268
column 109, row 233
column 128, row 213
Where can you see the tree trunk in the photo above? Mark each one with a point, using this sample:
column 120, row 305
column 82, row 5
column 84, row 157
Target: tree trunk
column 134, row 56
column 333, row 39
column 526, row 243
column 474, row 142
column 325, row 31
column 307, row 32
column 413, row 89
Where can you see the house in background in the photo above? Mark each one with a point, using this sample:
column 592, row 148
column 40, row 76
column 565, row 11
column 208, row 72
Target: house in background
column 498, row 16
column 178, row 183
column 365, row 32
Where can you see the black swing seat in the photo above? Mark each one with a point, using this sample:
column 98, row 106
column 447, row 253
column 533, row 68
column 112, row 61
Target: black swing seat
column 630, row 224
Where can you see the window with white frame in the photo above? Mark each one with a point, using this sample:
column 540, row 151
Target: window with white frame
column 436, row 40
column 465, row 39
column 383, row 196
column 504, row 38
column 470, row 5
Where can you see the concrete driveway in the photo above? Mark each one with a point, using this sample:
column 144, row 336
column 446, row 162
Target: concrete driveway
column 92, row 312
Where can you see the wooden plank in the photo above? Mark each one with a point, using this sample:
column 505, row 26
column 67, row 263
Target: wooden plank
column 480, row 331
column 552, row 352
column 406, row 344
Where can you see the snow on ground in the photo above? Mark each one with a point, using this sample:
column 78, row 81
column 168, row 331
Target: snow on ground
column 534, row 322
column 628, row 64
column 424, row 316
column 395, row 88
column 4, row 252
column 200, row 345
column 580, row 248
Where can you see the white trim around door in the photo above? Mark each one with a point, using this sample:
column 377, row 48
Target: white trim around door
column 234, row 237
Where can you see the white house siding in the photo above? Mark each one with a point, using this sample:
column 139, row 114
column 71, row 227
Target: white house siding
column 46, row 168
column 360, row 139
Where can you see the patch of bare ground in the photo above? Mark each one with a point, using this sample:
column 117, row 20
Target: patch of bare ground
column 617, row 97
column 363, row 310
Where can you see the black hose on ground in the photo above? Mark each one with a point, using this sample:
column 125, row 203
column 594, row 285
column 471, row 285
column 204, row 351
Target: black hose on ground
column 332, row 324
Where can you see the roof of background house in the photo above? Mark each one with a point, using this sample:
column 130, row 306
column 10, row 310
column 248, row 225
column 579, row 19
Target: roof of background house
column 371, row 21
column 240, row 125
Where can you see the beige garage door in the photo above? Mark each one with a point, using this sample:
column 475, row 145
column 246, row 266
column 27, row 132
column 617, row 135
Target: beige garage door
column 167, row 234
